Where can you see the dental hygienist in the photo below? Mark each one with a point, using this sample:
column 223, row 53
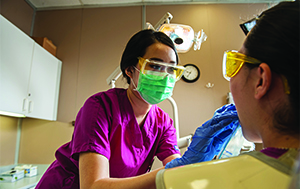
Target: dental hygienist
column 118, row 132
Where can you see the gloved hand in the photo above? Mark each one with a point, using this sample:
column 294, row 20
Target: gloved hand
column 210, row 138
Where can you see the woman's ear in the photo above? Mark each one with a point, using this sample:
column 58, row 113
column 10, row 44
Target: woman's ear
column 128, row 72
column 264, row 80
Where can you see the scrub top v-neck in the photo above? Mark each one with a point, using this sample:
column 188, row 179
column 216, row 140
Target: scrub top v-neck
column 107, row 125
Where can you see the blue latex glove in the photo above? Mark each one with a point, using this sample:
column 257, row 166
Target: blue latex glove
column 210, row 138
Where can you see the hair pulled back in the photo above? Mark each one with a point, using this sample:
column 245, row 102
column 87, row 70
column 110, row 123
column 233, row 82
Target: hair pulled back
column 275, row 40
column 137, row 46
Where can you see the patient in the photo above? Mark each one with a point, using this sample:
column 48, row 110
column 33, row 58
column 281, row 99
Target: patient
column 264, row 82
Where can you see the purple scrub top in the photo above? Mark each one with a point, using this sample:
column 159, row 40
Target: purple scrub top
column 274, row 152
column 106, row 124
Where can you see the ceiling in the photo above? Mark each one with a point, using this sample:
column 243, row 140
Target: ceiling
column 72, row 4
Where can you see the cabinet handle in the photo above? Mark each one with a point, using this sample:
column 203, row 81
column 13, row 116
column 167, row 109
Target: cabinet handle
column 25, row 104
column 30, row 109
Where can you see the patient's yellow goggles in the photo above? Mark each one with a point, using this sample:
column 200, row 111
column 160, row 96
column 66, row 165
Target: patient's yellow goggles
column 233, row 62
column 149, row 66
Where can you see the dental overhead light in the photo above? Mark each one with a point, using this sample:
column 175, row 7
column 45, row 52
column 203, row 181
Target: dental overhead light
column 183, row 36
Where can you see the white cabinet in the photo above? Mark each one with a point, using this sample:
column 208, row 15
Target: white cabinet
column 29, row 75
column 16, row 50
column 42, row 96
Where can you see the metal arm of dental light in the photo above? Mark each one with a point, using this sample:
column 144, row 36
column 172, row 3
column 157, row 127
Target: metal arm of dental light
column 182, row 142
column 164, row 20
column 111, row 80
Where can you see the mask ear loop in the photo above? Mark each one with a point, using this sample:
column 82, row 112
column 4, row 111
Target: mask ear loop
column 136, row 86
column 132, row 79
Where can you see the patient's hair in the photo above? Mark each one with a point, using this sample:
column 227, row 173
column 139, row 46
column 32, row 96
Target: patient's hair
column 137, row 46
column 275, row 40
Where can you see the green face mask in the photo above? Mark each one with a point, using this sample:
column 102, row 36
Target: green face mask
column 155, row 87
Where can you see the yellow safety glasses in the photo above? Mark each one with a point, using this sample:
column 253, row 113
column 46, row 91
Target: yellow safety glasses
column 150, row 66
column 233, row 62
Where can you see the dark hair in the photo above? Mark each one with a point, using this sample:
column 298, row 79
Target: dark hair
column 275, row 40
column 137, row 46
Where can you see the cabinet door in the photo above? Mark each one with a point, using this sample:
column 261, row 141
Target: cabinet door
column 44, row 85
column 16, row 50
